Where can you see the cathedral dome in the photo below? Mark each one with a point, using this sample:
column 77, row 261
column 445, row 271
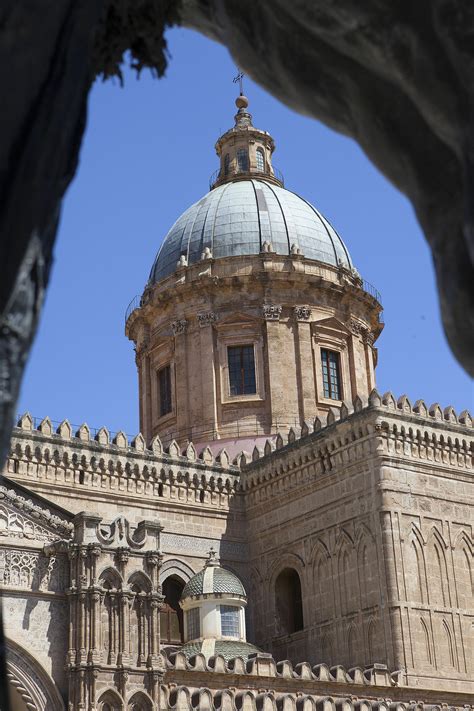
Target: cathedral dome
column 246, row 217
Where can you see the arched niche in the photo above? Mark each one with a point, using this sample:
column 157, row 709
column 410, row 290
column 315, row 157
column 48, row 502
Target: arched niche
column 171, row 616
column 30, row 686
column 110, row 700
column 288, row 601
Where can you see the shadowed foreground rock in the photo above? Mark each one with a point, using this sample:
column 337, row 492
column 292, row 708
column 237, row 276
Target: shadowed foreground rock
column 398, row 78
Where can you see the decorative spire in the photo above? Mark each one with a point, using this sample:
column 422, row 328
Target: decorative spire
column 239, row 78
column 212, row 559
column 245, row 152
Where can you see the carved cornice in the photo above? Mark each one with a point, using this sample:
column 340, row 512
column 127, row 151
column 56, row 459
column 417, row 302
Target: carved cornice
column 57, row 525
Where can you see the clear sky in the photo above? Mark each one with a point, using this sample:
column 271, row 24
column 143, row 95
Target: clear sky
column 147, row 155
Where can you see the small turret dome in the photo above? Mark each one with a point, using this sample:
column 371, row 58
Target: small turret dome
column 213, row 580
column 213, row 602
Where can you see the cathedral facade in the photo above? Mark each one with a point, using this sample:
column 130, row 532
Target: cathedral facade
column 279, row 536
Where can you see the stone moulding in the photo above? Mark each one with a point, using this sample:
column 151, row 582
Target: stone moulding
column 38, row 513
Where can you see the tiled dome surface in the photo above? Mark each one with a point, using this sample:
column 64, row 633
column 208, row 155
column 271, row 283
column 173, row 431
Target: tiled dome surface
column 238, row 217
column 213, row 579
column 226, row 648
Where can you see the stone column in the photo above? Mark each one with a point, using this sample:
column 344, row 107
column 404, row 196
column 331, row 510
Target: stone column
column 181, row 385
column 155, row 604
column 368, row 341
column 283, row 401
column 94, row 605
column 304, row 364
column 391, row 610
column 123, row 605
column 208, row 375
column 155, row 678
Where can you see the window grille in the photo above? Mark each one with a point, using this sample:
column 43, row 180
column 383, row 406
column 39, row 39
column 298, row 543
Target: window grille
column 243, row 160
column 331, row 374
column 164, row 387
column 241, row 361
column 226, row 164
column 230, row 626
column 260, row 160
column 193, row 623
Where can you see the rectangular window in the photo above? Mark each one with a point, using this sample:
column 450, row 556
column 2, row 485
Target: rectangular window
column 331, row 374
column 241, row 370
column 164, row 387
column 193, row 624
column 230, row 626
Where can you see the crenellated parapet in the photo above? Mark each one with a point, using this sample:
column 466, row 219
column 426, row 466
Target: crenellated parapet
column 263, row 683
column 351, row 433
column 76, row 459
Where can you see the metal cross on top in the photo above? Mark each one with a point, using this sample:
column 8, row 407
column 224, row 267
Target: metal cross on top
column 239, row 79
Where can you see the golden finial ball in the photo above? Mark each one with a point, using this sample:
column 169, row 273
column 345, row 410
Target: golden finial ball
column 241, row 102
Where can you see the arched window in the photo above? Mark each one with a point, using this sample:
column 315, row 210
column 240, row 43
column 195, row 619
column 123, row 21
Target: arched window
column 171, row 616
column 260, row 160
column 243, row 160
column 289, row 605
column 226, row 164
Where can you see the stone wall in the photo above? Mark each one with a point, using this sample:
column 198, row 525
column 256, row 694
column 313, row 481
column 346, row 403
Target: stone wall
column 374, row 512
column 371, row 508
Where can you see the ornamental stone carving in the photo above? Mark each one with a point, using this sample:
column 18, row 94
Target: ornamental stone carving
column 356, row 327
column 15, row 525
column 207, row 319
column 302, row 313
column 30, row 570
column 271, row 312
column 179, row 326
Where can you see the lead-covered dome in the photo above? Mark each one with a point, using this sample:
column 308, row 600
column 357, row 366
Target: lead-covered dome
column 238, row 217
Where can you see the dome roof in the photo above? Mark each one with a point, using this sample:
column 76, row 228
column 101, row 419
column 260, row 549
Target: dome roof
column 213, row 580
column 238, row 217
column 229, row 649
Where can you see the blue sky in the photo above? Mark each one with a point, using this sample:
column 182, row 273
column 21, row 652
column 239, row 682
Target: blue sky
column 147, row 155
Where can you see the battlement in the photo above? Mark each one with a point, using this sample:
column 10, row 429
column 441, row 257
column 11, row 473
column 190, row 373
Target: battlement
column 382, row 424
column 418, row 426
column 65, row 460
column 262, row 683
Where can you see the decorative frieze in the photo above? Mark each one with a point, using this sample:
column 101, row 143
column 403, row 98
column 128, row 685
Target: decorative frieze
column 30, row 570
column 207, row 319
column 302, row 313
column 174, row 543
column 179, row 326
column 271, row 312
